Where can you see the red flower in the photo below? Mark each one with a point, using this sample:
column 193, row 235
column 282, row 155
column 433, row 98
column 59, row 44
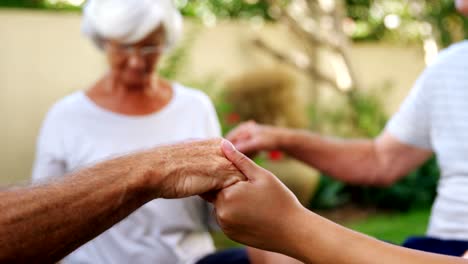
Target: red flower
column 275, row 155
column 233, row 118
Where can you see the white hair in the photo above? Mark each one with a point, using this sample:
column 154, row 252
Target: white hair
column 129, row 21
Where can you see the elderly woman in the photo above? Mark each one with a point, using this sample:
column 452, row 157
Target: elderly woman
column 129, row 109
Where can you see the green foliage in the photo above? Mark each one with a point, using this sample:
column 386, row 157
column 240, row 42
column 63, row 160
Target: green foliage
column 330, row 194
column 222, row 242
column 367, row 113
column 171, row 64
column 451, row 25
column 415, row 20
column 359, row 114
column 225, row 112
column 39, row 4
column 417, row 190
column 395, row 227
column 366, row 18
column 190, row 8
column 23, row 3
column 224, row 9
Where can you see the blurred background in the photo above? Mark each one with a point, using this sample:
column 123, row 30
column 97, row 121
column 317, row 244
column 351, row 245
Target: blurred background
column 335, row 67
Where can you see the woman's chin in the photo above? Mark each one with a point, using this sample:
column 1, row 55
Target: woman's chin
column 135, row 81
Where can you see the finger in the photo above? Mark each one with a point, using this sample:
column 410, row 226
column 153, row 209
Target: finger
column 237, row 134
column 242, row 131
column 221, row 195
column 247, row 146
column 233, row 179
column 244, row 164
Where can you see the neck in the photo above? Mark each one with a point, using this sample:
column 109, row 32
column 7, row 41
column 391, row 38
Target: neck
column 131, row 100
column 147, row 88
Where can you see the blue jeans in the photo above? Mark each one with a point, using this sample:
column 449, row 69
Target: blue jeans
column 229, row 256
column 439, row 246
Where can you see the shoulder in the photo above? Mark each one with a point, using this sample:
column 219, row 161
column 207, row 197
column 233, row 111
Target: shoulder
column 192, row 96
column 449, row 68
column 454, row 50
column 452, row 58
column 63, row 108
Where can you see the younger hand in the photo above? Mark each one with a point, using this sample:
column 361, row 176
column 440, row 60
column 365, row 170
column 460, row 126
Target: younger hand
column 257, row 212
column 251, row 137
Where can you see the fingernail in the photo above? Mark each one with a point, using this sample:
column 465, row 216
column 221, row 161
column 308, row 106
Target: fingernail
column 228, row 145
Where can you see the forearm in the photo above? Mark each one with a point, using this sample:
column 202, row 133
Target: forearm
column 353, row 161
column 317, row 240
column 52, row 220
column 47, row 222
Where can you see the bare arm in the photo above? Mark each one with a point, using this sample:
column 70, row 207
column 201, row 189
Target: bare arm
column 321, row 241
column 276, row 221
column 49, row 221
column 373, row 162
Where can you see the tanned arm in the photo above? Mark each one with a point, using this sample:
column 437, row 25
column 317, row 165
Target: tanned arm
column 46, row 222
column 380, row 161
column 275, row 220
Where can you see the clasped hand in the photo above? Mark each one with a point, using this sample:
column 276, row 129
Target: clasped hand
column 252, row 206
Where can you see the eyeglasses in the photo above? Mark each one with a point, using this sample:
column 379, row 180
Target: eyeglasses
column 144, row 51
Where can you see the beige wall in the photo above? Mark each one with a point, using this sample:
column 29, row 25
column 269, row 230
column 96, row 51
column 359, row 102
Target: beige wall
column 44, row 57
column 226, row 50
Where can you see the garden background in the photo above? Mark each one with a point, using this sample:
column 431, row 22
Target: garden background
column 339, row 68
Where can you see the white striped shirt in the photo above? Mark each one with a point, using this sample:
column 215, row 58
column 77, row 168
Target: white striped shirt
column 435, row 117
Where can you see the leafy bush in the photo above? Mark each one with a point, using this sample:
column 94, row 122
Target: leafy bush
column 417, row 190
column 330, row 194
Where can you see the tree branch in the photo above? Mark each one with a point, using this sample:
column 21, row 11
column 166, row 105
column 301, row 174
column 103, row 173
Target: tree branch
column 309, row 69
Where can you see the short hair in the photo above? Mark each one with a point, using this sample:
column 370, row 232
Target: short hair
column 129, row 21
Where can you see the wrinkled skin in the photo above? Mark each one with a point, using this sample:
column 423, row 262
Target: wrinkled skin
column 190, row 168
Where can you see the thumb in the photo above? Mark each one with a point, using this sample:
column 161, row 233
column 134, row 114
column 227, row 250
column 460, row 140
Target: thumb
column 244, row 164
